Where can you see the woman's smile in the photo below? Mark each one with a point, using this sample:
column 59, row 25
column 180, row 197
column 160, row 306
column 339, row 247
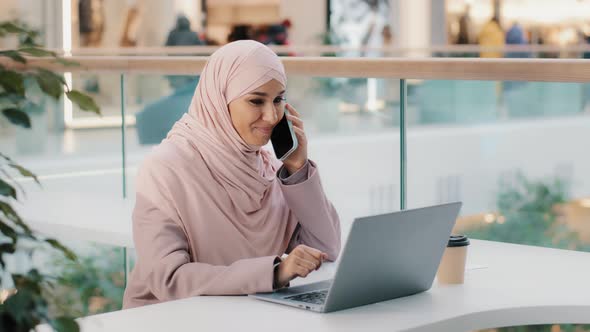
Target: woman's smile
column 266, row 131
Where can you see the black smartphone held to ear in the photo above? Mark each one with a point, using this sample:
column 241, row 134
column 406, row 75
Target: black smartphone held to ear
column 283, row 138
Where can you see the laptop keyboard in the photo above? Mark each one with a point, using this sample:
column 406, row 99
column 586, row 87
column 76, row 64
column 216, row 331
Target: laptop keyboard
column 317, row 297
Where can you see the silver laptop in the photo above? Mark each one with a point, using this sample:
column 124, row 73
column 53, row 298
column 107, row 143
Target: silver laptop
column 385, row 257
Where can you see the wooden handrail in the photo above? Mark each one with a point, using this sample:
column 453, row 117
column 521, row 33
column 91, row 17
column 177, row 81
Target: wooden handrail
column 548, row 70
column 341, row 50
column 320, row 49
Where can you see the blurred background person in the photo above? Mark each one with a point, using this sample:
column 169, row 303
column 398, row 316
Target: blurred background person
column 465, row 28
column 491, row 36
column 586, row 41
column 92, row 21
column 278, row 33
column 240, row 32
column 182, row 35
column 586, row 55
column 155, row 120
column 516, row 36
column 130, row 27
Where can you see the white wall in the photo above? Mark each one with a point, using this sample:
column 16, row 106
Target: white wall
column 438, row 22
column 412, row 20
column 308, row 19
column 157, row 18
column 42, row 15
column 419, row 23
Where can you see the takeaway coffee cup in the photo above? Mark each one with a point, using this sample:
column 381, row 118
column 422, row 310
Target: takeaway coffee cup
column 452, row 266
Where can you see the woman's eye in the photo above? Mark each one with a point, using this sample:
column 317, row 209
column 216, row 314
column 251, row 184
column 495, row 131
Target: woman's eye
column 279, row 100
column 257, row 102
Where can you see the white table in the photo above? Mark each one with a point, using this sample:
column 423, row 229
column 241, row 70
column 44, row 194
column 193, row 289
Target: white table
column 518, row 285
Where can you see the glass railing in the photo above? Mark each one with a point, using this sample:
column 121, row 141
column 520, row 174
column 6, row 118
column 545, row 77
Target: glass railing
column 512, row 151
column 339, row 121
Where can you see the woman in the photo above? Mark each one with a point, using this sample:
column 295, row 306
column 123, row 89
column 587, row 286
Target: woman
column 214, row 211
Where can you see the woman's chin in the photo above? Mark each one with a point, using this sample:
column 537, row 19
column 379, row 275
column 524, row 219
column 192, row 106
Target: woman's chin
column 259, row 141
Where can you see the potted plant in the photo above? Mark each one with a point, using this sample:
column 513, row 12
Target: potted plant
column 529, row 213
column 23, row 304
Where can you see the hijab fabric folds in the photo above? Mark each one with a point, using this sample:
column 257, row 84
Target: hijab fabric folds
column 245, row 171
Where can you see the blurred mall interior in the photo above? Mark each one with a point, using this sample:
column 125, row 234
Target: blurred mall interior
column 515, row 151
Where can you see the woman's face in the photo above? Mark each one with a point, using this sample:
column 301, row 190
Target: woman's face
column 255, row 114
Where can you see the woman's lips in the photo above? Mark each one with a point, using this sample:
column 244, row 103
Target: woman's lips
column 265, row 130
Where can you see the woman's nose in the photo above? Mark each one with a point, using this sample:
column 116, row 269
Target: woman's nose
column 269, row 114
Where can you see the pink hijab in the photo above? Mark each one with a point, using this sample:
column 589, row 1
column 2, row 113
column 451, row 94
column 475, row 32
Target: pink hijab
column 223, row 189
column 245, row 171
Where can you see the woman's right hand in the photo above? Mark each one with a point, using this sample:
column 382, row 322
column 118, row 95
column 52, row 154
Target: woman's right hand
column 301, row 261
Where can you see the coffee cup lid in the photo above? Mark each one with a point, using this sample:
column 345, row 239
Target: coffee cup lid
column 458, row 241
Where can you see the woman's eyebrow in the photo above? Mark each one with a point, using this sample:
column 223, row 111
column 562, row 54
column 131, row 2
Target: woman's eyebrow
column 264, row 94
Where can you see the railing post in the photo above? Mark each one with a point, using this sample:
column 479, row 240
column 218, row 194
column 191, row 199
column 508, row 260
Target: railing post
column 123, row 170
column 403, row 143
column 123, row 136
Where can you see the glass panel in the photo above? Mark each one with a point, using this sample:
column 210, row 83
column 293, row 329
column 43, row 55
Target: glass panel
column 153, row 104
column 452, row 102
column 353, row 126
column 77, row 156
column 511, row 151
column 95, row 284
column 66, row 157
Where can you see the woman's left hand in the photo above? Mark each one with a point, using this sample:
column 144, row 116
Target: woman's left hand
column 298, row 158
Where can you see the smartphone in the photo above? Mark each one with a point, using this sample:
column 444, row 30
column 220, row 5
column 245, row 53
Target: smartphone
column 283, row 138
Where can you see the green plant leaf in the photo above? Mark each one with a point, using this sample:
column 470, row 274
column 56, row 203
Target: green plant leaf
column 11, row 27
column 7, row 190
column 5, row 157
column 34, row 277
column 32, row 282
column 84, row 101
column 55, row 76
column 9, row 248
column 17, row 117
column 67, row 63
column 66, row 251
column 21, row 306
column 12, row 82
column 14, row 55
column 36, row 51
column 65, row 324
column 14, row 182
column 50, row 83
column 13, row 216
column 8, row 231
column 30, row 41
column 11, row 98
column 24, row 172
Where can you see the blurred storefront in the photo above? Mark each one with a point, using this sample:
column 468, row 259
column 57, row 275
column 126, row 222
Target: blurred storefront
column 546, row 22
